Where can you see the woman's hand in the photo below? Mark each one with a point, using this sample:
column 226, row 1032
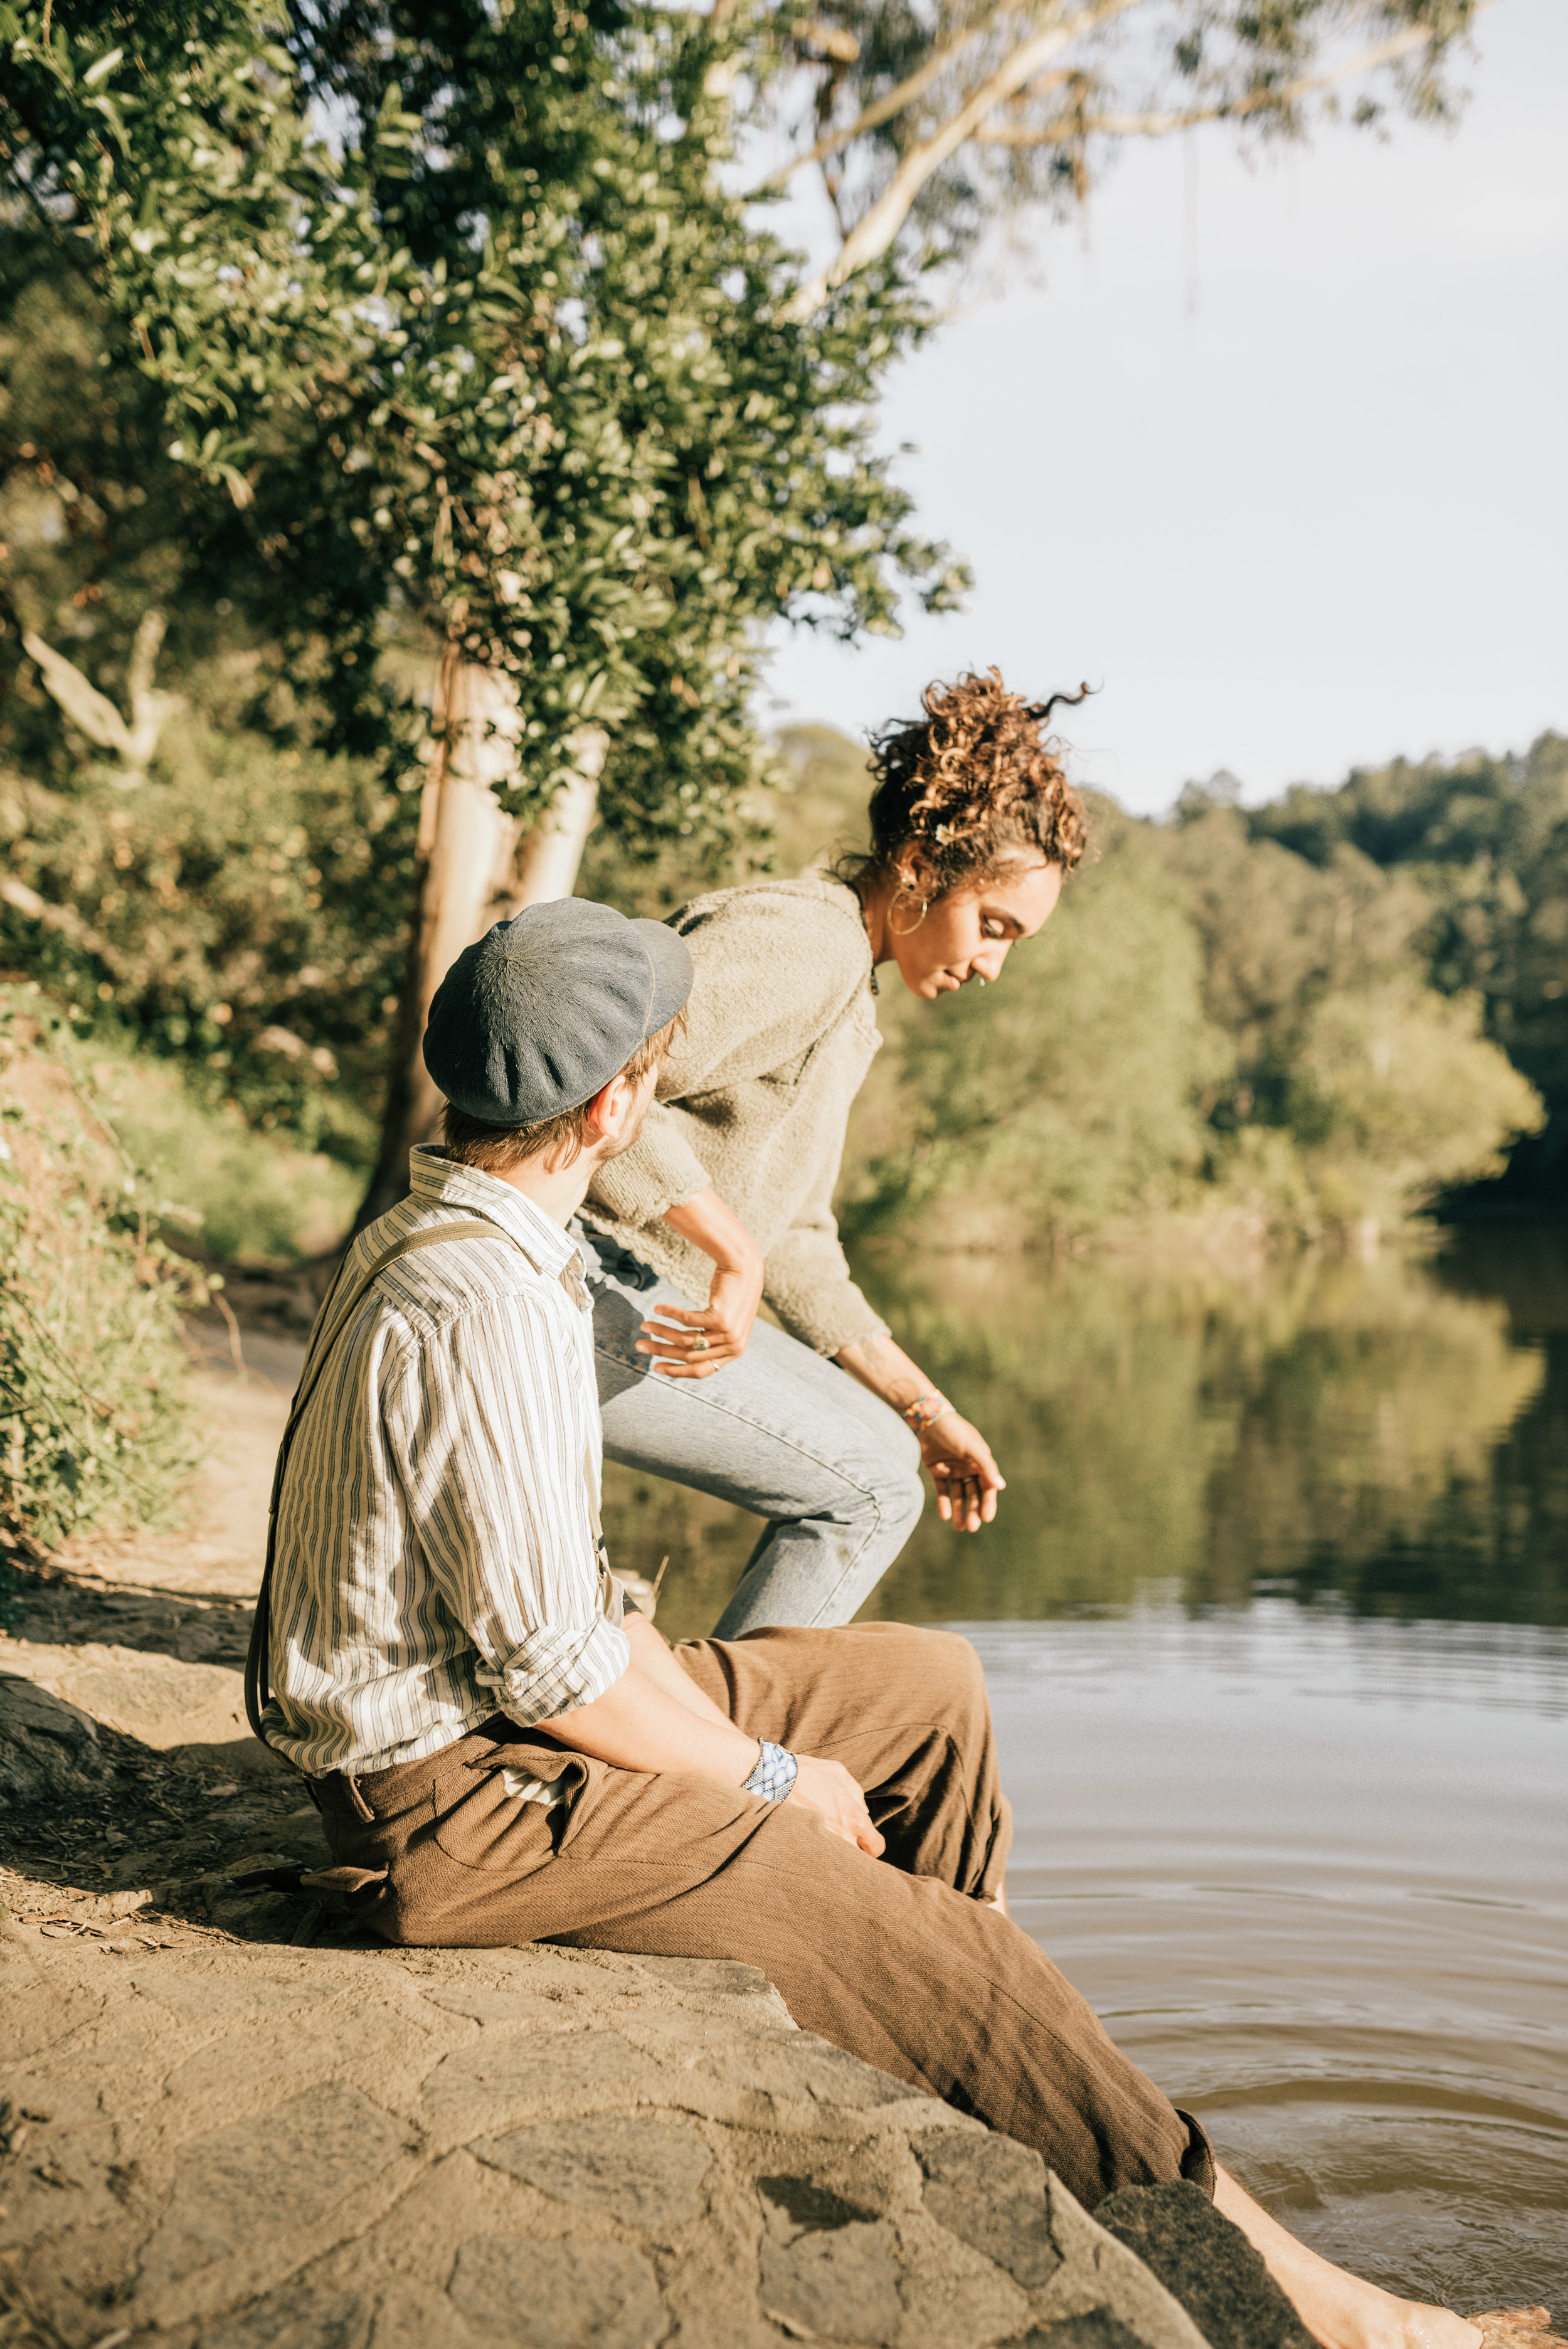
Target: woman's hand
column 705, row 1342
column 826, row 1788
column 693, row 1345
column 966, row 1478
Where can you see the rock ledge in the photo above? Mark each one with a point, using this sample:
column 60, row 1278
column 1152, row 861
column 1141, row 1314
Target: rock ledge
column 240, row 2147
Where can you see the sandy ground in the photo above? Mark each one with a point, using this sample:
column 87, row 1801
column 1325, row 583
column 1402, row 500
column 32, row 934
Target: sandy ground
column 145, row 1639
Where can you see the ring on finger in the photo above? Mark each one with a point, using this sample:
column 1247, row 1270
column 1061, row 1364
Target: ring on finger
column 700, row 1344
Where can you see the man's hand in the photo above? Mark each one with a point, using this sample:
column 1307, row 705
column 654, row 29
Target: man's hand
column 828, row 1788
column 693, row 1345
column 966, row 1478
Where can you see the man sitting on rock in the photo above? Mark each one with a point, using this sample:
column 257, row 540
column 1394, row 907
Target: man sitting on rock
column 502, row 1752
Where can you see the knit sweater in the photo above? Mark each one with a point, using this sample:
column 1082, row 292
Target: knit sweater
column 755, row 1101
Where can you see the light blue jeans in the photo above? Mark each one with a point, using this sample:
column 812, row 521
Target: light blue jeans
column 781, row 1432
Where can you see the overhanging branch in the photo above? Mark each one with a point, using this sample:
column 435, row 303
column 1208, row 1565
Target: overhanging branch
column 1069, row 127
column 871, row 236
column 883, row 109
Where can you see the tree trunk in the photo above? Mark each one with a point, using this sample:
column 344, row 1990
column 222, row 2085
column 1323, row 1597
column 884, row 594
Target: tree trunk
column 549, row 856
column 473, row 873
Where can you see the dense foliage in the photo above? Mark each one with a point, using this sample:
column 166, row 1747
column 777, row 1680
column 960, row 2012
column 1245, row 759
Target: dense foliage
column 499, row 363
column 332, row 335
column 93, row 1429
column 242, row 913
column 1486, row 843
column 1356, row 1092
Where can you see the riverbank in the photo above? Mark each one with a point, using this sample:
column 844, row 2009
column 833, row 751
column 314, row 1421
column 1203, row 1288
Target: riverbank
column 232, row 2121
column 229, row 2144
column 229, row 2121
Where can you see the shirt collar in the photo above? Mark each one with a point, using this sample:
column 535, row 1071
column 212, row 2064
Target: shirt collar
column 435, row 1181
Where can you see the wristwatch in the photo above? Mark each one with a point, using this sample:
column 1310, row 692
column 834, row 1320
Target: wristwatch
column 775, row 1774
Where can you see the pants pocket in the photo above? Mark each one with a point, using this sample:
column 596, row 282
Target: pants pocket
column 478, row 1824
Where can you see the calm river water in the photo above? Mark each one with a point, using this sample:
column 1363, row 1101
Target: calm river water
column 1276, row 1622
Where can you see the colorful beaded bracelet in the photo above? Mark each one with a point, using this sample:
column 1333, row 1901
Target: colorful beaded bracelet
column 926, row 1409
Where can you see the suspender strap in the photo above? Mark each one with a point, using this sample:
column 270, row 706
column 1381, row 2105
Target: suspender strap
column 331, row 1323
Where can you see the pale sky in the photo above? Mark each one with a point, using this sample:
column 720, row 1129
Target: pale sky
column 1317, row 521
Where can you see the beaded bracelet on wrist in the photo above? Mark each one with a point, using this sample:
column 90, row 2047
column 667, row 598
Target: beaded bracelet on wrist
column 925, row 1411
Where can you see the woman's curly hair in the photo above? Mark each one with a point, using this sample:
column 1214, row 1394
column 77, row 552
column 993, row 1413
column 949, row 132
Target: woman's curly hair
column 973, row 786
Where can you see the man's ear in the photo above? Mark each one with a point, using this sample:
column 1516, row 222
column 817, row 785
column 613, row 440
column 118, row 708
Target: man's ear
column 599, row 1113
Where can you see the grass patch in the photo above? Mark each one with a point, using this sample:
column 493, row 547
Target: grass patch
column 95, row 1420
column 243, row 1197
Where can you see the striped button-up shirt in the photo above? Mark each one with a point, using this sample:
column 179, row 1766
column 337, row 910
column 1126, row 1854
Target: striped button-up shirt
column 438, row 1555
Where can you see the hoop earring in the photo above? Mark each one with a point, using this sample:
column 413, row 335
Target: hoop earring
column 924, row 908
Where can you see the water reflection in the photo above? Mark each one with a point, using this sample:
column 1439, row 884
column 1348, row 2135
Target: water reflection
column 1273, row 1621
column 1390, row 1437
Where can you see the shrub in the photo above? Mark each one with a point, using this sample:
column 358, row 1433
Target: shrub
column 243, row 1197
column 243, row 911
column 94, row 1421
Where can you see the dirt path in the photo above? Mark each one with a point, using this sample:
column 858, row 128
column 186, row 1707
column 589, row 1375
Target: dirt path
column 131, row 1774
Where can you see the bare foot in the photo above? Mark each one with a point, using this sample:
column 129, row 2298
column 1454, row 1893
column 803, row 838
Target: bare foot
column 1518, row 2328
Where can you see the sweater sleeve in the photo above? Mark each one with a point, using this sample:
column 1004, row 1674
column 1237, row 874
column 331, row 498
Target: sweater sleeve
column 659, row 1172
column 806, row 1279
column 770, row 978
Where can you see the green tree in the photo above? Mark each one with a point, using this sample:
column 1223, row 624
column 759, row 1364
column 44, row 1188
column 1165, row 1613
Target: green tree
column 1486, row 841
column 242, row 913
column 1357, row 1093
column 239, row 903
column 503, row 357
column 105, row 536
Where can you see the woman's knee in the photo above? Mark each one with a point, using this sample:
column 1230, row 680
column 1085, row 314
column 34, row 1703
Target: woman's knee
column 899, row 1493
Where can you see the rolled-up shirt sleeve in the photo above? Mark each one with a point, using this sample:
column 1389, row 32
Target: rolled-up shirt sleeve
column 498, row 1459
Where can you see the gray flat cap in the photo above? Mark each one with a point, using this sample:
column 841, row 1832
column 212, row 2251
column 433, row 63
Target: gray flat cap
column 547, row 1008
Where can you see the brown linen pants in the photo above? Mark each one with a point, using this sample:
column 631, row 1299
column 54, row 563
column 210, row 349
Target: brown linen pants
column 897, row 1960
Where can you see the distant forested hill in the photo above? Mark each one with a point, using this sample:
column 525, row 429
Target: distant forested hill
column 1486, row 840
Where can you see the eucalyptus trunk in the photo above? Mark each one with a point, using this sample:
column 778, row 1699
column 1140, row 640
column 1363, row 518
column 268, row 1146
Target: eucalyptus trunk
column 475, row 868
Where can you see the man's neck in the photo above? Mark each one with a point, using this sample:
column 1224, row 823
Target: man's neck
column 557, row 1192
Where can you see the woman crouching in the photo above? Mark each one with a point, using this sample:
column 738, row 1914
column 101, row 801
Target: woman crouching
column 819, row 1426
